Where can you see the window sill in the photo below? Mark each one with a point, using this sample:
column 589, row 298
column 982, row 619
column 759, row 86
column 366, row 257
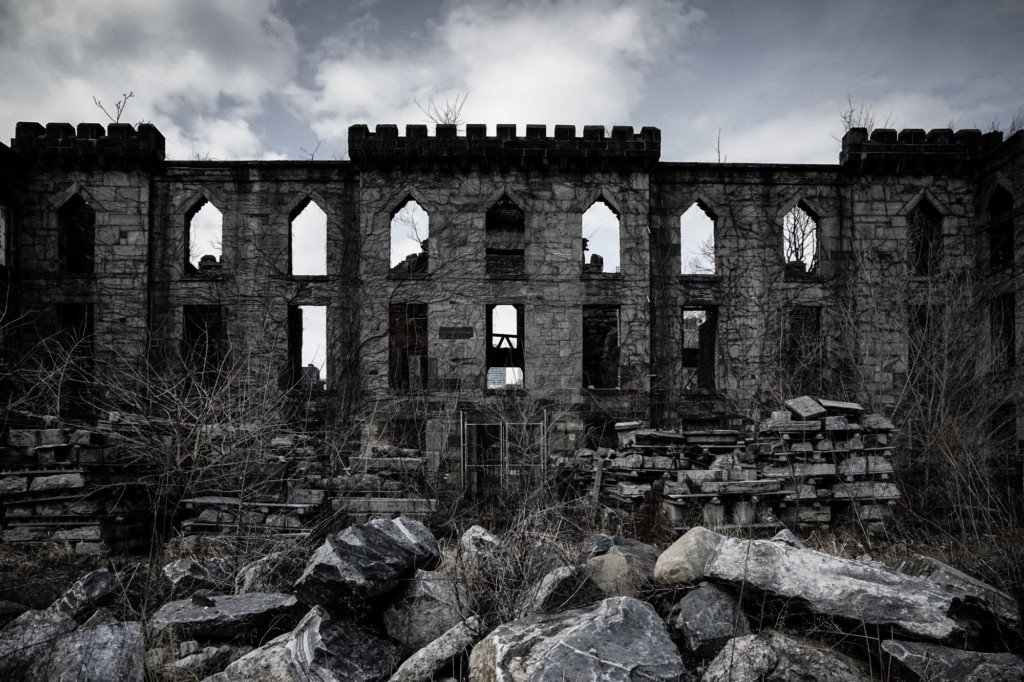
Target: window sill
column 409, row 275
column 309, row 278
column 701, row 278
column 602, row 391
column 601, row 276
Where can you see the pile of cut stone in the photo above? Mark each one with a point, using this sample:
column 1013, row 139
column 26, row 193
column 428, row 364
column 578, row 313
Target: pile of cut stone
column 814, row 461
column 293, row 488
column 78, row 487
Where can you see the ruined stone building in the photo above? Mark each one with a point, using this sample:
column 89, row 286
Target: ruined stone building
column 832, row 279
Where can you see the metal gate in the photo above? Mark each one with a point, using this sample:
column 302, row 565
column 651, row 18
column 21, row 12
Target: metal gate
column 502, row 456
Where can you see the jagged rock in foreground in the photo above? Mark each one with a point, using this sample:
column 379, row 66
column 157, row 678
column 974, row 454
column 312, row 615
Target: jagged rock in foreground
column 861, row 592
column 101, row 650
column 934, row 663
column 1002, row 604
column 272, row 573
column 616, row 639
column 708, row 617
column 424, row 608
column 188, row 575
column 319, row 648
column 244, row 617
column 433, row 659
column 564, row 588
column 775, row 657
column 31, row 635
column 366, row 560
column 483, row 551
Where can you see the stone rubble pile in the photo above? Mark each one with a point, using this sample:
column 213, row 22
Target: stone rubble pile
column 296, row 488
column 816, row 461
column 381, row 601
column 93, row 488
column 81, row 487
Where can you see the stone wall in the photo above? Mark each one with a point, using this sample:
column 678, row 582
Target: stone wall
column 870, row 210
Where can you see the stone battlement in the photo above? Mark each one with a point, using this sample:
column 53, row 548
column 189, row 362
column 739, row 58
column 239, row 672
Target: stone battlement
column 90, row 144
column 624, row 147
column 914, row 150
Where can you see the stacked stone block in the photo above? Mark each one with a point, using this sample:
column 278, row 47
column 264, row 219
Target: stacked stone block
column 76, row 487
column 815, row 462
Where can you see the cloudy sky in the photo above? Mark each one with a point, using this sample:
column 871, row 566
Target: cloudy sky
column 238, row 79
column 740, row 80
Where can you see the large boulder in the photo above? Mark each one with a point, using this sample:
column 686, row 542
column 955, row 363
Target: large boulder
column 366, row 561
column 437, row 658
column 188, row 575
column 775, row 657
column 320, row 649
column 567, row 587
column 27, row 641
column 616, row 639
column 101, row 650
column 243, row 617
column 30, row 636
column 271, row 573
column 708, row 617
column 934, row 663
column 858, row 592
column 424, row 608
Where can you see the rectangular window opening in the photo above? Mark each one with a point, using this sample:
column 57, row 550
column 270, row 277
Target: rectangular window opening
column 307, row 343
column 203, row 341
column 600, row 346
column 1003, row 314
column 802, row 348
column 1000, row 243
column 700, row 348
column 407, row 343
column 505, row 353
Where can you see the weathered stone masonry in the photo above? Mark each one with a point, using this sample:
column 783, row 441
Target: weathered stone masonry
column 889, row 215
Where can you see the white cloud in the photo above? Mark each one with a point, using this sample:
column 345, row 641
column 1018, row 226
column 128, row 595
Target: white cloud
column 190, row 64
column 568, row 61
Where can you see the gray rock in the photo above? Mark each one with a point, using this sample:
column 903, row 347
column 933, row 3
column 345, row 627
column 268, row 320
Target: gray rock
column 859, row 592
column 82, row 598
column 437, row 657
column 365, row 561
column 272, row 573
column 998, row 601
column 620, row 575
column 708, row 617
column 26, row 642
column 568, row 587
column 320, row 648
column 921, row 661
column 101, row 650
column 244, row 617
column 541, row 560
column 602, row 543
column 480, row 546
column 805, row 407
column 775, row 657
column 616, row 639
column 786, row 537
column 424, row 608
column 188, row 575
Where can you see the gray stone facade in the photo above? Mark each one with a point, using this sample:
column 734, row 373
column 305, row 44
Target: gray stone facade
column 903, row 222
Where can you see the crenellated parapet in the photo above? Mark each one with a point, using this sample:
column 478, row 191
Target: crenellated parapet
column 912, row 150
column 623, row 149
column 119, row 146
